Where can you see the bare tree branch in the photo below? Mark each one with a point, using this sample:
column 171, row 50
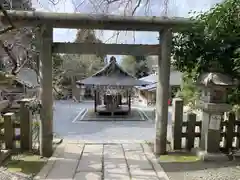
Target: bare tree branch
column 136, row 7
column 8, row 48
column 77, row 6
column 6, row 30
column 23, row 64
column 54, row 2
column 111, row 1
column 11, row 27
column 10, row 55
column 6, row 15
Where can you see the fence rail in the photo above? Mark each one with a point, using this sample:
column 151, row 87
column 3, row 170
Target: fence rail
column 19, row 130
column 187, row 132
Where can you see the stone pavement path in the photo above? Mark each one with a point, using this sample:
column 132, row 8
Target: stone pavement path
column 78, row 161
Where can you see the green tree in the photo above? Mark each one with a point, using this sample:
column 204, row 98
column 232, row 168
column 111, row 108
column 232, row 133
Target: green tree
column 135, row 65
column 141, row 66
column 82, row 65
column 213, row 40
column 128, row 63
column 79, row 66
column 189, row 93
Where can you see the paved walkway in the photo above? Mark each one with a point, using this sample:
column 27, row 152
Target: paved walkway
column 78, row 161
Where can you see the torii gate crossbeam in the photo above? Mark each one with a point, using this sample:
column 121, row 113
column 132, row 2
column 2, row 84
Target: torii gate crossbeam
column 47, row 21
column 96, row 21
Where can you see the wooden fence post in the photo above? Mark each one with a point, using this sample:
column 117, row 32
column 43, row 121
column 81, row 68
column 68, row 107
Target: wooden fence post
column 177, row 120
column 191, row 122
column 9, row 129
column 25, row 126
column 230, row 130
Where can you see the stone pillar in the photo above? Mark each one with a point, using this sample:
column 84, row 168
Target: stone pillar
column 98, row 98
column 210, row 132
column 76, row 93
column 75, row 90
column 95, row 101
column 46, row 94
column 177, row 119
column 129, row 103
column 163, row 92
column 82, row 93
column 127, row 97
column 9, row 130
column 25, row 125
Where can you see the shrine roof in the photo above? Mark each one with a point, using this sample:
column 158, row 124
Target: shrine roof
column 28, row 77
column 112, row 75
column 175, row 78
column 216, row 79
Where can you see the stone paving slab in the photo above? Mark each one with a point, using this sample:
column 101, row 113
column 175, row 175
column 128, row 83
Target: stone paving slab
column 65, row 167
column 157, row 167
column 137, row 160
column 50, row 163
column 116, row 176
column 92, row 148
column 132, row 147
column 77, row 161
column 90, row 166
column 114, row 151
column 91, row 160
column 115, row 164
column 144, row 177
column 88, row 176
column 73, row 151
column 140, row 172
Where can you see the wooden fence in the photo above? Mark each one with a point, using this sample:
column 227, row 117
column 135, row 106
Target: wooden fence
column 187, row 132
column 17, row 130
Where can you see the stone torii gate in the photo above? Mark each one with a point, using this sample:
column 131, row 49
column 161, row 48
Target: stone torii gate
column 47, row 21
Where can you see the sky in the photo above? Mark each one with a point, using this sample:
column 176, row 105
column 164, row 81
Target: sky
column 176, row 8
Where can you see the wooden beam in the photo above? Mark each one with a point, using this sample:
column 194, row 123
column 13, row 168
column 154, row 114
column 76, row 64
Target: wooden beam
column 94, row 21
column 101, row 49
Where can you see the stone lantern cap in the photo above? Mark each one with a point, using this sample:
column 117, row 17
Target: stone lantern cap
column 215, row 79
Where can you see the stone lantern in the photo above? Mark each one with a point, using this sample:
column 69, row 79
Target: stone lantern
column 213, row 103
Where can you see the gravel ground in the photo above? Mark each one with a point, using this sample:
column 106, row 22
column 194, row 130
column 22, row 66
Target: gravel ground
column 203, row 170
column 199, row 170
column 6, row 175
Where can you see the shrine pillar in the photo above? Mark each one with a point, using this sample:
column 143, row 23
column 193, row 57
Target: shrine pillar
column 46, row 91
column 163, row 75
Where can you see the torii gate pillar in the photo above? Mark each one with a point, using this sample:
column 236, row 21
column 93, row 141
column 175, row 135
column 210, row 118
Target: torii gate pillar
column 161, row 120
column 46, row 94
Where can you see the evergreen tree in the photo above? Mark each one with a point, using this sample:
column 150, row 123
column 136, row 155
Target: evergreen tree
column 141, row 68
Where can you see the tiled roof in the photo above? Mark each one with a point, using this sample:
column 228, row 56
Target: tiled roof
column 148, row 87
column 175, row 78
column 112, row 75
column 27, row 77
